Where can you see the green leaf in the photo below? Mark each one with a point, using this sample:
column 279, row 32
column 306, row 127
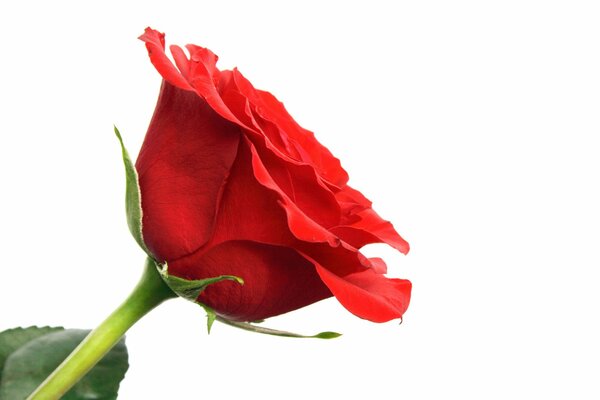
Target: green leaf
column 191, row 289
column 268, row 331
column 12, row 339
column 133, row 198
column 29, row 365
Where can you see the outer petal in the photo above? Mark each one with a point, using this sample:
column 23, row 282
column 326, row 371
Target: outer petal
column 183, row 166
column 371, row 228
column 182, row 62
column 155, row 43
column 378, row 265
column 204, row 78
column 275, row 220
column 198, row 74
column 368, row 294
column 298, row 142
column 276, row 279
column 347, row 194
column 248, row 210
column 298, row 181
column 361, row 225
column 303, row 227
column 255, row 208
column 302, row 186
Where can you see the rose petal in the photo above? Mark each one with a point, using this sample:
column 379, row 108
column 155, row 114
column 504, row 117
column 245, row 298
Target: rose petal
column 183, row 166
column 342, row 260
column 350, row 195
column 181, row 60
column 371, row 228
column 298, row 181
column 361, row 225
column 155, row 43
column 206, row 57
column 198, row 73
column 253, row 207
column 378, row 265
column 368, row 294
column 313, row 153
column 204, row 77
column 237, row 103
column 303, row 227
column 276, row 279
column 303, row 187
column 248, row 210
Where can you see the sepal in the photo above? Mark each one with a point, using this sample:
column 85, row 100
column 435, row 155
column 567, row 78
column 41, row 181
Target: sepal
column 133, row 197
column 190, row 289
column 268, row 331
column 211, row 316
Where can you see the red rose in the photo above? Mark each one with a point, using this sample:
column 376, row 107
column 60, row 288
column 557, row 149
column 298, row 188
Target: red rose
column 232, row 185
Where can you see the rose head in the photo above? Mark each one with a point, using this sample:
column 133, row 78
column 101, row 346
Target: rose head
column 231, row 185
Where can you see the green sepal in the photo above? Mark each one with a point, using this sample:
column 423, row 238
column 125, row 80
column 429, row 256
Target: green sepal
column 31, row 363
column 133, row 197
column 211, row 316
column 190, row 289
column 12, row 339
column 268, row 331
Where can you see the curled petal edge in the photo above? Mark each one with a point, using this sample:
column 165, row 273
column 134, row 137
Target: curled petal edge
column 367, row 294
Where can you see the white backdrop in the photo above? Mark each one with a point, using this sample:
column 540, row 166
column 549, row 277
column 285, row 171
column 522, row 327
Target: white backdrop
column 470, row 124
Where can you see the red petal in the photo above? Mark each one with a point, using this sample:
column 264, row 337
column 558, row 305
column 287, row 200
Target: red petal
column 199, row 73
column 303, row 227
column 255, row 208
column 298, row 181
column 348, row 194
column 204, row 77
column 276, row 279
column 236, row 102
column 361, row 225
column 371, row 228
column 155, row 43
column 368, row 294
column 313, row 153
column 378, row 265
column 181, row 60
column 183, row 166
column 303, row 187
column 248, row 210
column 206, row 57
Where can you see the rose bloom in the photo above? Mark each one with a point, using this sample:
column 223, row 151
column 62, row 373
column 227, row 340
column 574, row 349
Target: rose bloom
column 232, row 185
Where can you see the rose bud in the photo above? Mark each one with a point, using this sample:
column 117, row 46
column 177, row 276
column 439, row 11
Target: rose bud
column 231, row 185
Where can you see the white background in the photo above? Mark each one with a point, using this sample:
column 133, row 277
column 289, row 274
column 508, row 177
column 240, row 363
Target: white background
column 472, row 126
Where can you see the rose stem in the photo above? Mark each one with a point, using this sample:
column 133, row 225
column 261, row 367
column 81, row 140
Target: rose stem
column 149, row 293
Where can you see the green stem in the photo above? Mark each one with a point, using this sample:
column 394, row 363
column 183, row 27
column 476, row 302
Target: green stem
column 149, row 293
